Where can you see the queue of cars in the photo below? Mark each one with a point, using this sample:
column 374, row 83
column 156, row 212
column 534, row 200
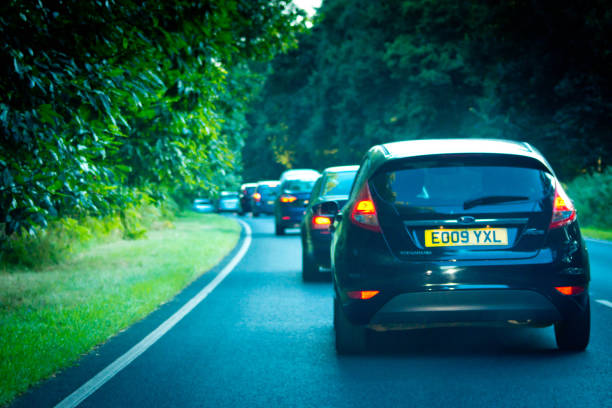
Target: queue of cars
column 434, row 233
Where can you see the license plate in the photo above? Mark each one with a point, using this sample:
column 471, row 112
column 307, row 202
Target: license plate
column 270, row 202
column 466, row 237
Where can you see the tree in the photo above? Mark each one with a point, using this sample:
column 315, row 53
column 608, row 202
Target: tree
column 373, row 72
column 100, row 98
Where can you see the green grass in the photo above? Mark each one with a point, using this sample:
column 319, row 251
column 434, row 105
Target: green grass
column 597, row 233
column 49, row 318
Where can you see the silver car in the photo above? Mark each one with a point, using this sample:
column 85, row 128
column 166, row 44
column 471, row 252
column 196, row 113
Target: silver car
column 228, row 201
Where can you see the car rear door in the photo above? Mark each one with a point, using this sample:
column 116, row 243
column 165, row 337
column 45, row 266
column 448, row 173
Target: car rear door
column 464, row 207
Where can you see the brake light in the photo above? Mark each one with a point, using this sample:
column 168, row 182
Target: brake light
column 363, row 294
column 570, row 290
column 288, row 199
column 321, row 222
column 363, row 213
column 256, row 196
column 563, row 209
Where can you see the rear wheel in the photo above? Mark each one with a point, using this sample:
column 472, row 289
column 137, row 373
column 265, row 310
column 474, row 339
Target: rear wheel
column 350, row 338
column 255, row 214
column 309, row 267
column 573, row 332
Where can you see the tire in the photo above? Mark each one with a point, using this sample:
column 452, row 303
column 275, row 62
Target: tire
column 279, row 229
column 350, row 338
column 309, row 268
column 255, row 214
column 572, row 334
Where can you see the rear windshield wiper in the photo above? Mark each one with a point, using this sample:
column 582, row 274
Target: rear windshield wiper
column 492, row 200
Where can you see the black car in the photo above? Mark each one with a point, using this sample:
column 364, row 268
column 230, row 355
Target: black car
column 262, row 199
column 245, row 193
column 458, row 232
column 329, row 193
column 294, row 192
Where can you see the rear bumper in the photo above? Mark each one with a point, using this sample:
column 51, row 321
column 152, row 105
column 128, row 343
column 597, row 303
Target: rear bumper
column 321, row 242
column 263, row 208
column 465, row 307
column 290, row 216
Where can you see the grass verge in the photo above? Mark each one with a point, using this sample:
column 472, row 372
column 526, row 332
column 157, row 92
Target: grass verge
column 49, row 318
column 597, row 233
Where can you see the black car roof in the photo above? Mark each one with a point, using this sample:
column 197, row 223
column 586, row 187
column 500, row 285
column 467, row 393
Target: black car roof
column 421, row 147
column 425, row 147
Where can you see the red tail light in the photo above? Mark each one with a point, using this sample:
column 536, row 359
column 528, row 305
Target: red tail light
column 256, row 196
column 321, row 222
column 363, row 294
column 563, row 209
column 570, row 290
column 288, row 199
column 363, row 213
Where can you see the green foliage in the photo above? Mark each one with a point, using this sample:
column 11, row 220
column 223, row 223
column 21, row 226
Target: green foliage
column 592, row 196
column 65, row 237
column 372, row 71
column 101, row 99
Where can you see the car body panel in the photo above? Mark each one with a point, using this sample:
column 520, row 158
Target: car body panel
column 522, row 273
column 296, row 185
column 228, row 201
column 245, row 192
column 264, row 204
column 316, row 241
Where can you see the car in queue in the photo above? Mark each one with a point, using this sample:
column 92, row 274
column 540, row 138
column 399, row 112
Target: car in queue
column 294, row 194
column 262, row 199
column 458, row 232
column 202, row 205
column 329, row 193
column 245, row 193
column 227, row 201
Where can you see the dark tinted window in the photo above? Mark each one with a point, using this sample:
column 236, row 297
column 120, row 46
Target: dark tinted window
column 298, row 186
column 454, row 185
column 338, row 183
column 266, row 190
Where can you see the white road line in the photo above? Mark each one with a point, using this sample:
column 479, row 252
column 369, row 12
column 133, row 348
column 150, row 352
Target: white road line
column 604, row 302
column 123, row 361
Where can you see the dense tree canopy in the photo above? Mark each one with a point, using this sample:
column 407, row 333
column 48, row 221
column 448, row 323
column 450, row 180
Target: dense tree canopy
column 101, row 98
column 378, row 71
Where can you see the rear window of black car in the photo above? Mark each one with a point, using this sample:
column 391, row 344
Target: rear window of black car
column 338, row 183
column 265, row 189
column 455, row 185
column 298, row 186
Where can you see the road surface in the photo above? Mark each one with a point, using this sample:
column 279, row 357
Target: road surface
column 262, row 338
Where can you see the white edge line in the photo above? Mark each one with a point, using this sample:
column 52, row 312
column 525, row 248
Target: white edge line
column 604, row 302
column 124, row 360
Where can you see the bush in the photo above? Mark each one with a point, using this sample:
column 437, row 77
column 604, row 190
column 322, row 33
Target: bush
column 65, row 236
column 592, row 195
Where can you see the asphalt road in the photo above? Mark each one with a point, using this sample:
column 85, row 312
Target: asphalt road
column 263, row 338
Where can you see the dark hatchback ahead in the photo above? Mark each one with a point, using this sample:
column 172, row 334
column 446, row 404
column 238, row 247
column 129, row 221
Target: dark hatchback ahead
column 263, row 197
column 329, row 193
column 245, row 193
column 458, row 232
column 294, row 194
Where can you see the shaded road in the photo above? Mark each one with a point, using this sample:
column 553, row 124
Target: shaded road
column 263, row 338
